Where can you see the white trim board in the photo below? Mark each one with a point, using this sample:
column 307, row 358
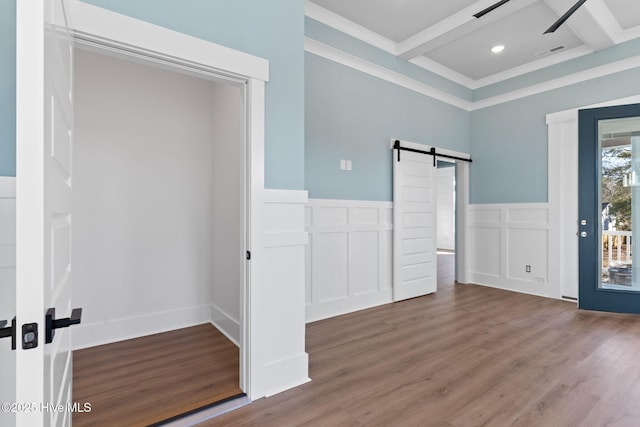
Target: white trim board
column 7, row 187
column 284, row 360
column 7, row 227
column 338, row 56
column 127, row 34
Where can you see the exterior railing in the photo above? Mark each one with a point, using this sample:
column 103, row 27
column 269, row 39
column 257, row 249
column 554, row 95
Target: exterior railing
column 616, row 246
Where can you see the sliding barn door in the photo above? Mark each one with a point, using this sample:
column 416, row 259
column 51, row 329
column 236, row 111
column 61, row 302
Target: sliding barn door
column 414, row 225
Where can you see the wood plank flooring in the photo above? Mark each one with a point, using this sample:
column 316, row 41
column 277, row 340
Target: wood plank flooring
column 466, row 356
column 150, row 379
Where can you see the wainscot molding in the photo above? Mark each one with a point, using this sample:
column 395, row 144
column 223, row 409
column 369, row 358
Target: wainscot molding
column 509, row 246
column 8, row 228
column 349, row 256
column 285, row 363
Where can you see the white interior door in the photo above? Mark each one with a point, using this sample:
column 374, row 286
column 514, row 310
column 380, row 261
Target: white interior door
column 414, row 225
column 43, row 203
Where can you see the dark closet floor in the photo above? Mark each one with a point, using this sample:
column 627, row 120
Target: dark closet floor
column 146, row 380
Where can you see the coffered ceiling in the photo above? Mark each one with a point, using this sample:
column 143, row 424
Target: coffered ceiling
column 445, row 37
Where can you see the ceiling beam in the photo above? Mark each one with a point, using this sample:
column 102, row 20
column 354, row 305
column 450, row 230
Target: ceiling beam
column 456, row 26
column 593, row 23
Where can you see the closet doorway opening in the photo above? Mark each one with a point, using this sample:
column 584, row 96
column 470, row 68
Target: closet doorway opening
column 160, row 232
column 446, row 220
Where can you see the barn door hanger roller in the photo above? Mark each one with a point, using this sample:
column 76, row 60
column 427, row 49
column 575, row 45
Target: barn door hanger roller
column 431, row 152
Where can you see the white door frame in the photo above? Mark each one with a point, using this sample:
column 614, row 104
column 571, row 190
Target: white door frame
column 109, row 32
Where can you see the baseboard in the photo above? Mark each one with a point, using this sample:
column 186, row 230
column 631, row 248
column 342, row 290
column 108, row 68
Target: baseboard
column 540, row 289
column 325, row 310
column 287, row 373
column 226, row 324
column 94, row 334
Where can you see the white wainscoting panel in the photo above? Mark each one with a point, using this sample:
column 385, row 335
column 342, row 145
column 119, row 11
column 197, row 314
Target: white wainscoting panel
column 349, row 256
column 285, row 360
column 510, row 248
column 7, row 291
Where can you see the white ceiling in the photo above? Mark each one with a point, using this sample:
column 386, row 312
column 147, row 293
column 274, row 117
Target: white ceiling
column 444, row 36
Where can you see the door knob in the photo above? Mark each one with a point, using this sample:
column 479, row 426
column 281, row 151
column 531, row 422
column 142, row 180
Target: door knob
column 52, row 323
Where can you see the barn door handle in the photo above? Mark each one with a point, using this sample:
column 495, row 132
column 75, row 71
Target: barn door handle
column 9, row 331
column 52, row 323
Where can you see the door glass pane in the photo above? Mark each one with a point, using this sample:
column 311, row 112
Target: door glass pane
column 619, row 142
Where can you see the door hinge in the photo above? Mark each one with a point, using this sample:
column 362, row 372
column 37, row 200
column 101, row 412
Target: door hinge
column 248, row 255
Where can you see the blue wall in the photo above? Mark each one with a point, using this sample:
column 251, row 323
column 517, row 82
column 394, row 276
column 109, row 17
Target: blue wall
column 351, row 115
column 509, row 140
column 271, row 29
column 7, row 87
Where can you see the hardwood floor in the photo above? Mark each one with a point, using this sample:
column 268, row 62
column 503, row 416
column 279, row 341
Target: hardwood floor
column 150, row 379
column 465, row 356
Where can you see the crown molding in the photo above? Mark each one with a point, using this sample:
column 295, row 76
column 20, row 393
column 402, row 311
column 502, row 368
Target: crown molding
column 529, row 67
column 336, row 55
column 441, row 70
column 357, row 63
column 581, row 76
column 349, row 27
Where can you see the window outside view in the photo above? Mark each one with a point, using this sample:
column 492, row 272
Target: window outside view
column 619, row 194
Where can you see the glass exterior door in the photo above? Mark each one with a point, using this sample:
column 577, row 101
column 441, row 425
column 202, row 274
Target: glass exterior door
column 609, row 205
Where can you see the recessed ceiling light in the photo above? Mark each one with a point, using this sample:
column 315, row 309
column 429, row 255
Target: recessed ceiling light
column 497, row 49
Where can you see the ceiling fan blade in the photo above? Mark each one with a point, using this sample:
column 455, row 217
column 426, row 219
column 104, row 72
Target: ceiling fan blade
column 490, row 8
column 564, row 17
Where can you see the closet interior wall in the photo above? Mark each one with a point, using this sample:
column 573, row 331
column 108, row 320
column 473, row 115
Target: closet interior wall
column 158, row 200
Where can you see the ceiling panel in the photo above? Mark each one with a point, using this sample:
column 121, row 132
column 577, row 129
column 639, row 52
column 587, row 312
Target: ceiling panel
column 464, row 46
column 626, row 13
column 395, row 19
column 520, row 33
